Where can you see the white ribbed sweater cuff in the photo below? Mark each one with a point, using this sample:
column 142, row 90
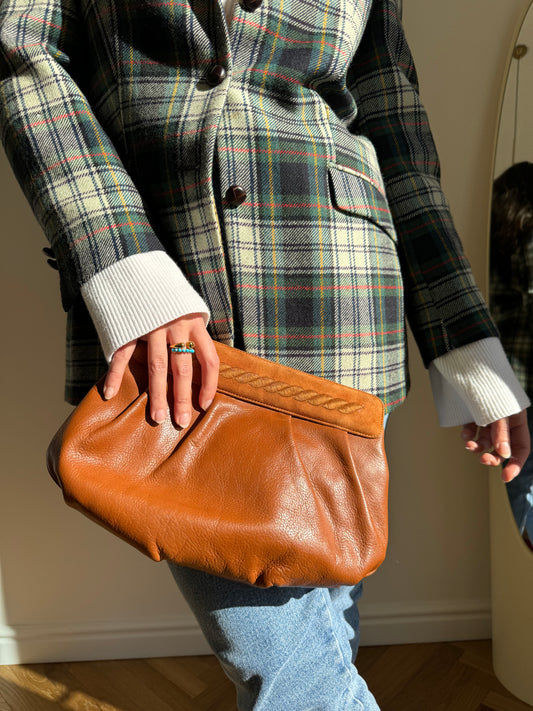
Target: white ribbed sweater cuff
column 475, row 383
column 137, row 295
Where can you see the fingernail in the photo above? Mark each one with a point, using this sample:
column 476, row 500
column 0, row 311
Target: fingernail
column 504, row 450
column 207, row 404
column 184, row 420
column 108, row 392
column 160, row 416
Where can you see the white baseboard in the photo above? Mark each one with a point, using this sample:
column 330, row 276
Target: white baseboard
column 431, row 621
column 26, row 644
column 398, row 623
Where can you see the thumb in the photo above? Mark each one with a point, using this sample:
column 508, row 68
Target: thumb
column 500, row 436
column 118, row 365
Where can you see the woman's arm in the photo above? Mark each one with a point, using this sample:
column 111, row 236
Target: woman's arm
column 443, row 304
column 475, row 386
column 446, row 310
column 79, row 188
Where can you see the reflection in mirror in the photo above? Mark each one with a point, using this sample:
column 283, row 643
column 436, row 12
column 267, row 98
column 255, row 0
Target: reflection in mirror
column 511, row 299
column 511, row 247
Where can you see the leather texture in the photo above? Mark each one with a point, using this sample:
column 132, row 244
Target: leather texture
column 282, row 481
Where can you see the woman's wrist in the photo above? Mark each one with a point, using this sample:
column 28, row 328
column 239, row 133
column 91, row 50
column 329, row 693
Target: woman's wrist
column 475, row 383
column 137, row 295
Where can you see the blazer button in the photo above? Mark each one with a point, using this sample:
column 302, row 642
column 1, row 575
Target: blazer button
column 216, row 75
column 235, row 195
column 250, row 5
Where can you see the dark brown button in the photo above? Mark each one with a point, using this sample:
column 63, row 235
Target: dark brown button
column 250, row 5
column 216, row 75
column 235, row 195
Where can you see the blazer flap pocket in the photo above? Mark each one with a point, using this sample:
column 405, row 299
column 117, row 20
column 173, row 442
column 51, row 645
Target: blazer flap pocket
column 356, row 193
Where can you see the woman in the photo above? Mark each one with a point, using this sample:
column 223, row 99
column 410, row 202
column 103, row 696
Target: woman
column 511, row 290
column 271, row 174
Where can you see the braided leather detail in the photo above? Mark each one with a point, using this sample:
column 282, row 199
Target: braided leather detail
column 285, row 390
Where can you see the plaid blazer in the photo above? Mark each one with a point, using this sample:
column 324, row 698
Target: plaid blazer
column 129, row 123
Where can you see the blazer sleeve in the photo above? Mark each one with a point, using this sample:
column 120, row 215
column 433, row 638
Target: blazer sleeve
column 444, row 307
column 78, row 187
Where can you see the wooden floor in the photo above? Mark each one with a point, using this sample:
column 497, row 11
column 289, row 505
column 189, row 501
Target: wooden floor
column 418, row 677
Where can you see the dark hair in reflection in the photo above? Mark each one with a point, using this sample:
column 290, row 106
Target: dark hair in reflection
column 512, row 210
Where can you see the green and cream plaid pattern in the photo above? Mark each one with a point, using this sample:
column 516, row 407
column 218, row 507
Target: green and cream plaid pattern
column 123, row 146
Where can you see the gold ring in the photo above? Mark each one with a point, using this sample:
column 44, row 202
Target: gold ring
column 189, row 344
column 177, row 345
column 182, row 347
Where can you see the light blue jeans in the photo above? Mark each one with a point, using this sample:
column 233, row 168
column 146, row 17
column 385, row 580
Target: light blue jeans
column 285, row 649
column 520, row 490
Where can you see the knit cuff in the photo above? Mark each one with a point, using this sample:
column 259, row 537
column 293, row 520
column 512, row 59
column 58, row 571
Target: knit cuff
column 475, row 383
column 137, row 295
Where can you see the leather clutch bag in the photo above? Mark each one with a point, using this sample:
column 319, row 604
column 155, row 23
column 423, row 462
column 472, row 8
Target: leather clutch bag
column 282, row 481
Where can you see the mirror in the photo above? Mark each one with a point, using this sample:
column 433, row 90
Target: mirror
column 510, row 296
column 511, row 245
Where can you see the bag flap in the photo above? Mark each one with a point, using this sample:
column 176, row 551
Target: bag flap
column 300, row 394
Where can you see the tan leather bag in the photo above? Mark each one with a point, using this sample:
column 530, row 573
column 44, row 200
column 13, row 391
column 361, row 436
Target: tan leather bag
column 283, row 481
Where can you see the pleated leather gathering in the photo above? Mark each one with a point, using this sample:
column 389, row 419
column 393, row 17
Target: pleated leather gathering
column 282, row 481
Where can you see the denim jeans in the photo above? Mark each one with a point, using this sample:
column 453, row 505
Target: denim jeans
column 520, row 490
column 285, row 649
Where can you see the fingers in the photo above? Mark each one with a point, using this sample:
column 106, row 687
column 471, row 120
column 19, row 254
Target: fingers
column 520, row 445
column 157, row 375
column 477, row 439
column 116, row 369
column 495, row 443
column 182, row 371
column 191, row 328
column 469, row 433
column 209, row 362
column 491, row 442
column 181, row 367
column 160, row 362
column 500, row 437
column 505, row 441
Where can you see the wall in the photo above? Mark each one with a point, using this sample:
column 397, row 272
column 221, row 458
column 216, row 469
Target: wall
column 70, row 591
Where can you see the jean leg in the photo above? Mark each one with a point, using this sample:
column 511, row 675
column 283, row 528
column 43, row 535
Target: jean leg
column 520, row 489
column 344, row 600
column 285, row 649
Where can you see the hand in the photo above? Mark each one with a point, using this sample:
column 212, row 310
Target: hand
column 505, row 439
column 186, row 328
